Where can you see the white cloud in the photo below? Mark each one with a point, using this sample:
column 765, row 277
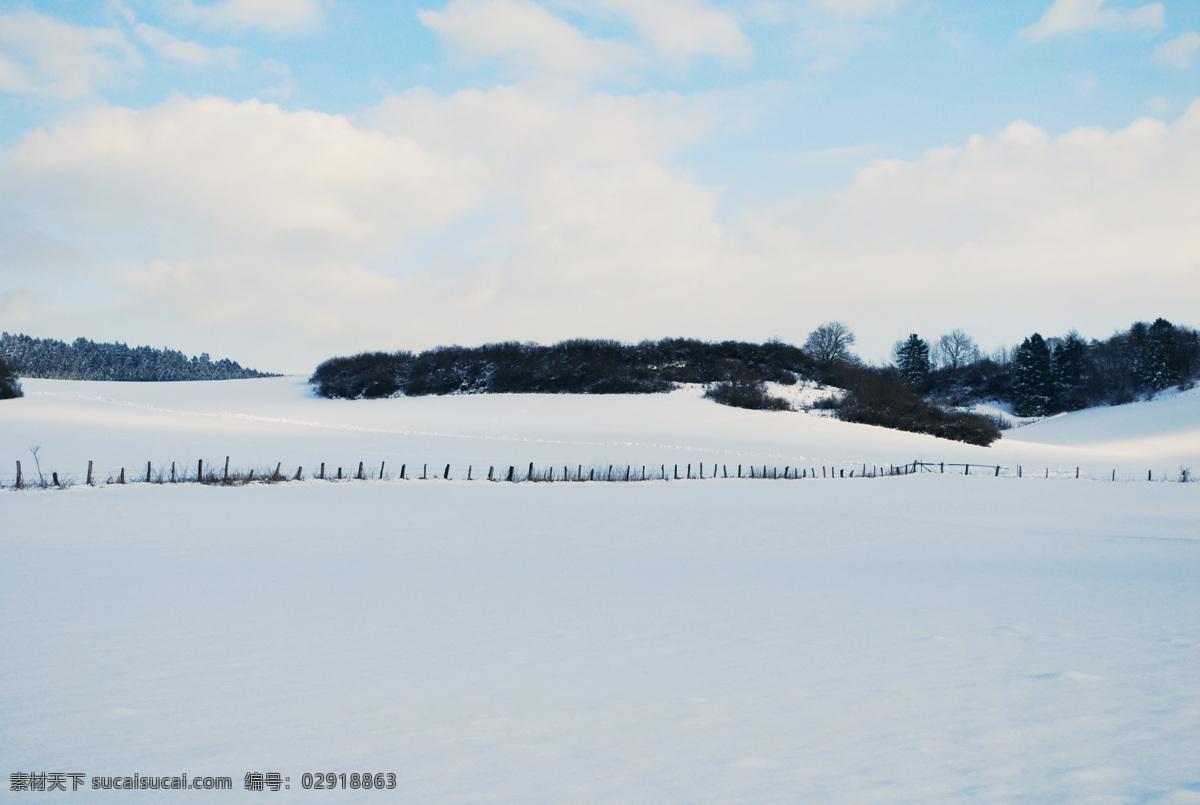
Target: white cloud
column 1179, row 52
column 41, row 55
column 274, row 16
column 858, row 8
column 1159, row 105
column 249, row 174
column 191, row 54
column 773, row 11
column 525, row 35
column 680, row 29
column 1069, row 16
column 284, row 88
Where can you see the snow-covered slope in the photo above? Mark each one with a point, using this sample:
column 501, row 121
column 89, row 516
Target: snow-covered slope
column 261, row 422
column 1166, row 429
column 932, row 638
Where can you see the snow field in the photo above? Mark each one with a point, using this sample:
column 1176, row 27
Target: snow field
column 260, row 423
column 921, row 639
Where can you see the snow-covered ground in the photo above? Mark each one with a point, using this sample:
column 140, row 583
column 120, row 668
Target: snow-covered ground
column 260, row 423
column 931, row 638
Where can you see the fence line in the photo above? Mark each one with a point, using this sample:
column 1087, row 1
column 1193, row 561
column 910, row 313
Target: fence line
column 550, row 474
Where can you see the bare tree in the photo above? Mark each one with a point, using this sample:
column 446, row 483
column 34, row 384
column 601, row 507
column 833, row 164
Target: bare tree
column 830, row 343
column 956, row 350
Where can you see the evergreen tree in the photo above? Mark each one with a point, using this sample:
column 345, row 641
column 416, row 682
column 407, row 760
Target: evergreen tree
column 1160, row 370
column 1069, row 365
column 1033, row 379
column 912, row 360
column 10, row 387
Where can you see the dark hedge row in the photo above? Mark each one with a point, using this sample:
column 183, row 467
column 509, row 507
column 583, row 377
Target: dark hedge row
column 580, row 366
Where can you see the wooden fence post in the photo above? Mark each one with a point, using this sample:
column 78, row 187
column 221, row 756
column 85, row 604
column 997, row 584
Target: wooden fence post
column 997, row 470
column 446, row 474
column 225, row 477
column 468, row 472
column 511, row 469
column 339, row 477
column 676, row 472
column 147, row 472
column 54, row 475
column 1076, row 473
column 424, row 471
column 89, row 480
column 322, row 476
column 382, row 464
column 172, row 471
column 626, row 472
column 739, row 470
column 360, row 471
column 299, row 474
column 689, row 472
column 592, row 474
column 403, row 467
column 200, row 470
column 968, row 472
column 18, row 483
column 491, row 470
column 122, row 479
column 530, row 476
column 1149, row 475
column 1114, row 475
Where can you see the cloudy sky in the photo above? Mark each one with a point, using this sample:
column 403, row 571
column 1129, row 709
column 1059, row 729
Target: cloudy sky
column 279, row 181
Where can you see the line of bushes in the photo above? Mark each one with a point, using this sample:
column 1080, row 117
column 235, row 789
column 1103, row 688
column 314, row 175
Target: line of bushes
column 579, row 366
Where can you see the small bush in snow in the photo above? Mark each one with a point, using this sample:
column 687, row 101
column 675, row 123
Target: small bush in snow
column 751, row 395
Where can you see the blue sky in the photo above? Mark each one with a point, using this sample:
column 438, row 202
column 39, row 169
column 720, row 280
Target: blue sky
column 283, row 180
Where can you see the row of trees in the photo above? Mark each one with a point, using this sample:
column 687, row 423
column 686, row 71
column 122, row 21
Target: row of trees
column 1045, row 376
column 87, row 360
column 579, row 366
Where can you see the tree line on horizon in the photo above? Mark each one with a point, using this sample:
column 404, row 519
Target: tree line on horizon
column 919, row 391
column 87, row 360
column 1045, row 376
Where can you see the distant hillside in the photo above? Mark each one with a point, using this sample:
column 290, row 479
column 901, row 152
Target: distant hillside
column 86, row 360
column 735, row 372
